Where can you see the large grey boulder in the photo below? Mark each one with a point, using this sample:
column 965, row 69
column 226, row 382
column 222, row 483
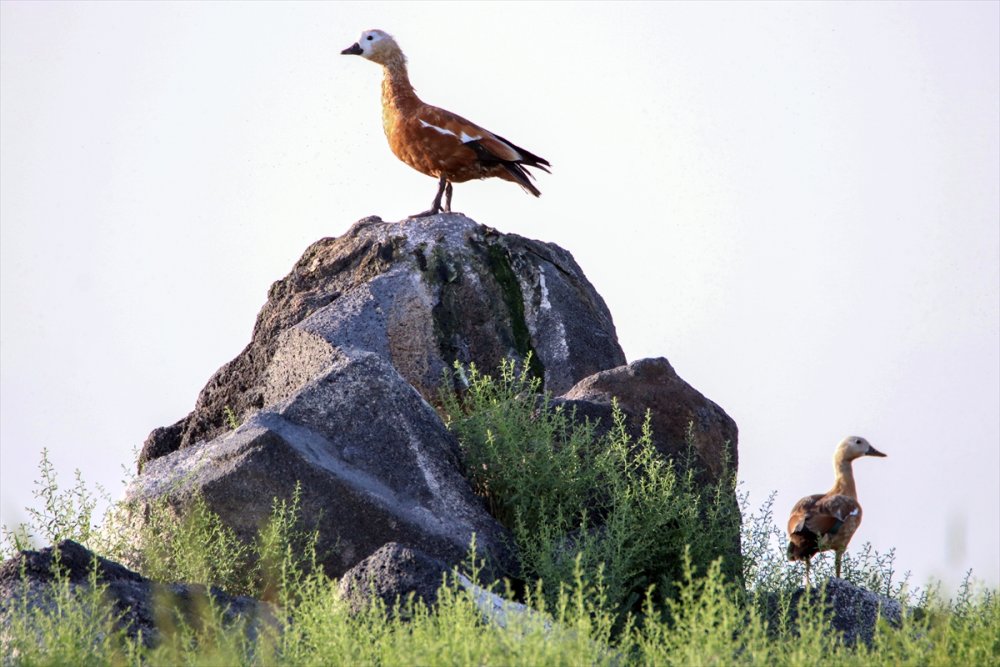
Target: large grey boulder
column 138, row 604
column 375, row 462
column 420, row 294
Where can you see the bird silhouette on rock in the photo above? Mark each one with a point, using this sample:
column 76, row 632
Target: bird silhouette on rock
column 434, row 141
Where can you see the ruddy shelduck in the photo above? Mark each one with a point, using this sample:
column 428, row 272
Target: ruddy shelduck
column 826, row 521
column 434, row 141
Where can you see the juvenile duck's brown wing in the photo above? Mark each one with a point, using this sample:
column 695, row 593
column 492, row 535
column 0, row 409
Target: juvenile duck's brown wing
column 835, row 518
column 820, row 522
column 802, row 542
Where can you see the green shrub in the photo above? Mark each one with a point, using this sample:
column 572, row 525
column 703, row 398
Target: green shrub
column 73, row 625
column 612, row 504
column 196, row 546
column 66, row 514
column 192, row 546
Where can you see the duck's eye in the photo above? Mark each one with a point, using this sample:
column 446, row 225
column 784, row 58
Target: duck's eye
column 370, row 38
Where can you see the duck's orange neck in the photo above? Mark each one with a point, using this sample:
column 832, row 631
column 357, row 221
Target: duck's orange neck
column 397, row 93
column 844, row 479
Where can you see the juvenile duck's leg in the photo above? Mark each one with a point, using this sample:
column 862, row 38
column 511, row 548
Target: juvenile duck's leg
column 447, row 197
column 808, row 563
column 436, row 206
column 836, row 560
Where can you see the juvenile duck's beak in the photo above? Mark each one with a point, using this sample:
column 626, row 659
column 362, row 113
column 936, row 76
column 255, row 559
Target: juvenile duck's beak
column 352, row 50
column 873, row 452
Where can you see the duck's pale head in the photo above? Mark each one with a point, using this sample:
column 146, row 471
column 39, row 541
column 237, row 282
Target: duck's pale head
column 375, row 45
column 854, row 447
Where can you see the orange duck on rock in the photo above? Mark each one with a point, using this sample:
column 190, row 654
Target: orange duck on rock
column 826, row 521
column 434, row 141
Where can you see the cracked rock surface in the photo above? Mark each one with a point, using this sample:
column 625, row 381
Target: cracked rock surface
column 334, row 390
column 421, row 294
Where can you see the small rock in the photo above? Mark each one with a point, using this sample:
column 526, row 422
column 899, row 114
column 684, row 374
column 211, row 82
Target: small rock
column 674, row 406
column 392, row 573
column 854, row 611
column 136, row 601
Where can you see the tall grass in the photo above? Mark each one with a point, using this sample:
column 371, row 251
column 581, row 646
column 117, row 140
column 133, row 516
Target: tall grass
column 709, row 625
column 690, row 611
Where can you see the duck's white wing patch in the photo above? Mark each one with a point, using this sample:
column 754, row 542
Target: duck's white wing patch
column 442, row 130
column 463, row 137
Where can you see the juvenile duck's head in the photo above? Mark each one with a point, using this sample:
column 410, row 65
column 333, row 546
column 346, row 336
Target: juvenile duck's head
column 854, row 447
column 375, row 45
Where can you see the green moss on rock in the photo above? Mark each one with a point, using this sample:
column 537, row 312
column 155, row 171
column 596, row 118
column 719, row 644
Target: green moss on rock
column 510, row 288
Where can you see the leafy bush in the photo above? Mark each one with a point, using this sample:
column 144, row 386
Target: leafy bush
column 76, row 627
column 608, row 503
column 64, row 514
column 195, row 546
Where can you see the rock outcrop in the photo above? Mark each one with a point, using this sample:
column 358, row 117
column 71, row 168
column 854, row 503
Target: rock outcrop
column 139, row 604
column 335, row 389
column 421, row 295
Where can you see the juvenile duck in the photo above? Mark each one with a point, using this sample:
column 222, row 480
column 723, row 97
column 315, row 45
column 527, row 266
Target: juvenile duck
column 826, row 521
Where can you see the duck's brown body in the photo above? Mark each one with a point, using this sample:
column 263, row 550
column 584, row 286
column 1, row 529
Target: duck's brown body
column 434, row 141
column 827, row 521
column 822, row 522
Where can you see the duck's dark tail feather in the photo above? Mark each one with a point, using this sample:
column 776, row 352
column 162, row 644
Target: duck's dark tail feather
column 514, row 168
column 522, row 176
column 802, row 544
column 528, row 159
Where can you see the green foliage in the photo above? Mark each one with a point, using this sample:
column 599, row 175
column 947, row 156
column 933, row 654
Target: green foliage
column 73, row 627
column 526, row 460
column 284, row 553
column 231, row 419
column 708, row 626
column 712, row 619
column 768, row 572
column 192, row 546
column 196, row 546
column 608, row 503
column 65, row 514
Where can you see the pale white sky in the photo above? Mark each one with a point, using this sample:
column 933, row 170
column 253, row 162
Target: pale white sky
column 797, row 204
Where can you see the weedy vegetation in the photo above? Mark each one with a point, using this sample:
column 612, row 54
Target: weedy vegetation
column 621, row 563
column 571, row 497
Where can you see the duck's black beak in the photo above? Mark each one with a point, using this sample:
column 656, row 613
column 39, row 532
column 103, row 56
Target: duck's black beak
column 873, row 452
column 352, row 50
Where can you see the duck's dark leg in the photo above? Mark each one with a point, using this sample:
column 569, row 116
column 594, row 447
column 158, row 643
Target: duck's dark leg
column 447, row 197
column 436, row 206
column 808, row 563
column 836, row 561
